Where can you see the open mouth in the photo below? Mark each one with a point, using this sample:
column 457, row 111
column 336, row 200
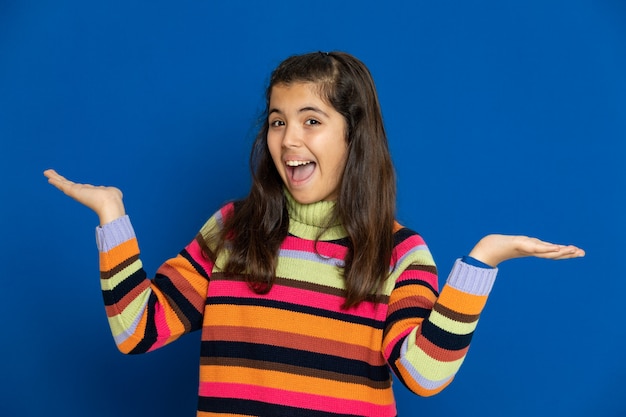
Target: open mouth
column 299, row 171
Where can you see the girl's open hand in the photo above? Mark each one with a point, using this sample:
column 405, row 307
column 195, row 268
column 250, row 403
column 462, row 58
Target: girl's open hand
column 493, row 249
column 105, row 201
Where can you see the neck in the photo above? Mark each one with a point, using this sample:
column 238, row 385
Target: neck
column 313, row 221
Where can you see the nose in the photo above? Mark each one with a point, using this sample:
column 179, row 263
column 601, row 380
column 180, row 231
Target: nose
column 292, row 137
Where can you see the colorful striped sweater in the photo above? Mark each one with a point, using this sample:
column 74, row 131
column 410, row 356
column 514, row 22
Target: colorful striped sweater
column 295, row 351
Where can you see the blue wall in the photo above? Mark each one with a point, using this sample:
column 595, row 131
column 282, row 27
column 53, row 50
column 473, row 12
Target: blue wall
column 503, row 116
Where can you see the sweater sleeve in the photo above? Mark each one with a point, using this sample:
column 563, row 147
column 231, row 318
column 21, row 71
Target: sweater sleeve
column 145, row 314
column 427, row 333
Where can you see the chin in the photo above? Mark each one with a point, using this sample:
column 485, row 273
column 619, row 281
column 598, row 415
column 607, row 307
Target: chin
column 305, row 198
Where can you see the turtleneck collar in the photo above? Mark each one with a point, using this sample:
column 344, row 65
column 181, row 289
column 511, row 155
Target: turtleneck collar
column 308, row 220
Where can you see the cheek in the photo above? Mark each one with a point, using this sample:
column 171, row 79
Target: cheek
column 342, row 158
column 274, row 147
column 271, row 144
column 339, row 154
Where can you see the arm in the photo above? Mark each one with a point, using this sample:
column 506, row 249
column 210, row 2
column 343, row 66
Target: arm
column 144, row 314
column 428, row 334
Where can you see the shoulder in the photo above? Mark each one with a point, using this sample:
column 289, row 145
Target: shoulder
column 410, row 247
column 404, row 236
column 214, row 225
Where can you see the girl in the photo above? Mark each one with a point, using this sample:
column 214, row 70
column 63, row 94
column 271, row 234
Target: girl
column 307, row 292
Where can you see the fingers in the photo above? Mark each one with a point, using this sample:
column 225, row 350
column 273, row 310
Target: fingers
column 59, row 181
column 51, row 174
column 542, row 246
column 570, row 251
column 537, row 247
column 558, row 252
column 54, row 177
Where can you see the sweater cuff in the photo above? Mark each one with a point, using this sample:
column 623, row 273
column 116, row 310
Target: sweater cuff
column 114, row 233
column 475, row 262
column 472, row 279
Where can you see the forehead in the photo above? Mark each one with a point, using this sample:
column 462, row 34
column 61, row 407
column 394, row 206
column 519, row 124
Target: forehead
column 285, row 94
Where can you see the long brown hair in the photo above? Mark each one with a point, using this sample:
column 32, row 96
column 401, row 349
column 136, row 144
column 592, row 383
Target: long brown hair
column 367, row 192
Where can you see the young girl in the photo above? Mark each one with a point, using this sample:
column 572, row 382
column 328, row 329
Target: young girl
column 307, row 292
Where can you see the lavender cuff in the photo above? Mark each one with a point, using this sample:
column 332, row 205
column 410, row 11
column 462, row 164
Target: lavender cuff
column 114, row 233
column 471, row 279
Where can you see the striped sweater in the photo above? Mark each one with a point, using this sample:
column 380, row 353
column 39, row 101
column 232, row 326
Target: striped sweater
column 295, row 351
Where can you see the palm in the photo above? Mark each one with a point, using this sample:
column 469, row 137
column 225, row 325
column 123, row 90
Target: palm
column 105, row 201
column 493, row 249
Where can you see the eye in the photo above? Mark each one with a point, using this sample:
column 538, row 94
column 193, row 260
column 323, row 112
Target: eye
column 311, row 122
column 276, row 123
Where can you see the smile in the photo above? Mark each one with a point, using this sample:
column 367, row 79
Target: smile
column 299, row 171
column 297, row 163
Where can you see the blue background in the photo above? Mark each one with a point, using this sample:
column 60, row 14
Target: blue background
column 503, row 116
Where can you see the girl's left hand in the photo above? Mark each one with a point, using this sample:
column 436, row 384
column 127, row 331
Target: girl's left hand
column 494, row 249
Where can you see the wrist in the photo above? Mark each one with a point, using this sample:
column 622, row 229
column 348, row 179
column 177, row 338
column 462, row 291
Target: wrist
column 111, row 211
column 483, row 252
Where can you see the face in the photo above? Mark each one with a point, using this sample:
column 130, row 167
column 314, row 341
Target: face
column 307, row 141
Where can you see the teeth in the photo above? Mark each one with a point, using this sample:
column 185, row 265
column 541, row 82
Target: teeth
column 296, row 163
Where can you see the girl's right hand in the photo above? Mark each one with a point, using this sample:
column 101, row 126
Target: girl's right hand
column 105, row 201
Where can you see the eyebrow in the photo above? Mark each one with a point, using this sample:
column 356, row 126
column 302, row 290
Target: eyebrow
column 302, row 110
